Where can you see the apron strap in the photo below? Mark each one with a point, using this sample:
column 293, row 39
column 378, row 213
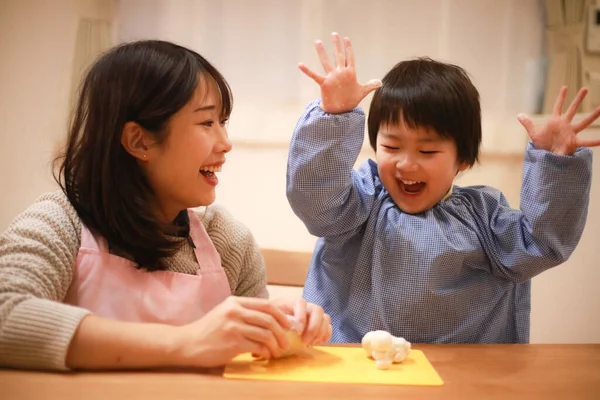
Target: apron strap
column 207, row 255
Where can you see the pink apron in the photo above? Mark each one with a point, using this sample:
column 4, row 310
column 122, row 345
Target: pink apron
column 112, row 287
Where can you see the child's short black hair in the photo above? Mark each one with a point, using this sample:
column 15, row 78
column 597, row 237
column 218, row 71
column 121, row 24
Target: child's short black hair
column 434, row 95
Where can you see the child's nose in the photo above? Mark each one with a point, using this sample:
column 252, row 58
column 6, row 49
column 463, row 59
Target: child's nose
column 406, row 163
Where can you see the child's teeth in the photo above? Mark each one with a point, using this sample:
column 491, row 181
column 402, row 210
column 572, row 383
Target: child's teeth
column 409, row 182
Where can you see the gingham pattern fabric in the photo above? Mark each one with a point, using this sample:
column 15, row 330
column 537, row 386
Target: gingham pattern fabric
column 457, row 273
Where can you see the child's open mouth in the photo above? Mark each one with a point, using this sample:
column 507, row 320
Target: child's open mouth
column 411, row 187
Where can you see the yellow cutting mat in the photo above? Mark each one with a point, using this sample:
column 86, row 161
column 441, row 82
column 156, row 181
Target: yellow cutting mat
column 335, row 364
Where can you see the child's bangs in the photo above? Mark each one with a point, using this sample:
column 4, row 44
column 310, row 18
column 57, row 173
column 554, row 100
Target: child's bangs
column 415, row 107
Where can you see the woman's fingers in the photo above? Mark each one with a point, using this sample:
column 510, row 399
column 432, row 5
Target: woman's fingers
column 266, row 307
column 326, row 329
column 262, row 337
column 313, row 326
column 269, row 327
column 301, row 313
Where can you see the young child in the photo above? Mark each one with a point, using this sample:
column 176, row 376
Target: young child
column 400, row 248
column 117, row 271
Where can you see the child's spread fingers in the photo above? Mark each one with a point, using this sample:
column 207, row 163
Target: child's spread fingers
column 312, row 75
column 587, row 121
column 338, row 52
column 588, row 143
column 572, row 110
column 373, row 84
column 527, row 124
column 323, row 56
column 558, row 104
column 349, row 53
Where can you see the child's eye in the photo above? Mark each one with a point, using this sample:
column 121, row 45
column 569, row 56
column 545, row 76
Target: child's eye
column 224, row 121
column 428, row 152
column 389, row 147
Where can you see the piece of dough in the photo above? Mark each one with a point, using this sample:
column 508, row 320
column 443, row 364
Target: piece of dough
column 294, row 337
column 385, row 348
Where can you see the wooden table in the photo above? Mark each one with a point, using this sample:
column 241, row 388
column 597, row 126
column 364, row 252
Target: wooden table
column 469, row 371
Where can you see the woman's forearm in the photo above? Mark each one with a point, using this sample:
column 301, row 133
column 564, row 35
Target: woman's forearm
column 101, row 343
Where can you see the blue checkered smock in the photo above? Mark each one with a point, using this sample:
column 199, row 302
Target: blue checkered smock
column 457, row 273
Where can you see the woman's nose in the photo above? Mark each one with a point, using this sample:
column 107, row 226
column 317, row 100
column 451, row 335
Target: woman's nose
column 224, row 143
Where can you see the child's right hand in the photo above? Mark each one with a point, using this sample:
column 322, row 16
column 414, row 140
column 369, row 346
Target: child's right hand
column 340, row 90
column 238, row 325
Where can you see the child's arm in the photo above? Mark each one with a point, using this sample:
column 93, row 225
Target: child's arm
column 322, row 188
column 554, row 198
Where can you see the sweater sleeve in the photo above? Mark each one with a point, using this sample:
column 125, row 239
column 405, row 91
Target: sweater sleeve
column 240, row 255
column 37, row 256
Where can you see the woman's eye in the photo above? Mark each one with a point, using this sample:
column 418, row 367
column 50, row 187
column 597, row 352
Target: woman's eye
column 211, row 122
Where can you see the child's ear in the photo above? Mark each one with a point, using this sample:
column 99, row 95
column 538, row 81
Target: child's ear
column 462, row 167
column 136, row 141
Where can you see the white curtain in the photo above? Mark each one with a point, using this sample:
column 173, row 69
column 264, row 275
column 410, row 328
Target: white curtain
column 565, row 30
column 92, row 39
column 257, row 45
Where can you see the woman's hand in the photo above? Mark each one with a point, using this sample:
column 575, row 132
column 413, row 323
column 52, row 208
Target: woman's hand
column 238, row 325
column 314, row 322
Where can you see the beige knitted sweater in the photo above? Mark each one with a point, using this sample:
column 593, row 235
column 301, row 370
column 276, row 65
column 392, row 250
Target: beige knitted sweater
column 37, row 257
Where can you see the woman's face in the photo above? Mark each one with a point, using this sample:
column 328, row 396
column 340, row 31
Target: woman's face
column 182, row 169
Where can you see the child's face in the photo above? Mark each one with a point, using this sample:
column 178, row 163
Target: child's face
column 197, row 141
column 416, row 166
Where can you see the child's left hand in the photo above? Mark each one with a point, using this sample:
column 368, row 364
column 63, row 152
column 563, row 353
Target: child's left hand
column 559, row 135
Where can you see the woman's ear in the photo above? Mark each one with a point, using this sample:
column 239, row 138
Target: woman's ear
column 136, row 141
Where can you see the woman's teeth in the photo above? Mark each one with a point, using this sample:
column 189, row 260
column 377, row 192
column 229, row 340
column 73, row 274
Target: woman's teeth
column 209, row 171
column 211, row 168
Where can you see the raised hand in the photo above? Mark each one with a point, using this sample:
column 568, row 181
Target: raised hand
column 559, row 134
column 340, row 90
